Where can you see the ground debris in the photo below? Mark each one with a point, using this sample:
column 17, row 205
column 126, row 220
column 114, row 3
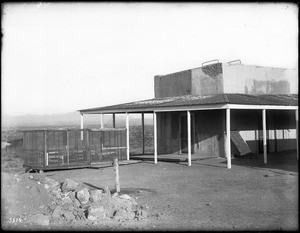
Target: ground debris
column 53, row 203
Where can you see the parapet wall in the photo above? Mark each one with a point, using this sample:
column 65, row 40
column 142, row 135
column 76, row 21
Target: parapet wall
column 225, row 78
column 257, row 80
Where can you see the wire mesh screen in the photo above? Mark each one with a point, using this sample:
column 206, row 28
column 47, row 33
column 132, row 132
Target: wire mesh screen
column 114, row 144
column 34, row 148
column 78, row 147
column 63, row 148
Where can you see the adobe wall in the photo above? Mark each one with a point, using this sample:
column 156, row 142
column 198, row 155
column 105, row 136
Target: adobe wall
column 171, row 85
column 168, row 132
column 210, row 128
column 247, row 79
column 207, row 80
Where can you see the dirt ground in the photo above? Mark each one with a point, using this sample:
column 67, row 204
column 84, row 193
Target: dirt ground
column 205, row 196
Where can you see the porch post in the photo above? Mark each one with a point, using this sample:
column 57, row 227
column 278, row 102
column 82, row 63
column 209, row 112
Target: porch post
column 101, row 121
column 189, row 138
column 264, row 135
column 155, row 136
column 297, row 131
column 114, row 120
column 81, row 126
column 127, row 128
column 143, row 133
column 228, row 145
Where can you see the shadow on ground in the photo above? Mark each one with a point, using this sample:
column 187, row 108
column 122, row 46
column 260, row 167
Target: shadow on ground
column 281, row 160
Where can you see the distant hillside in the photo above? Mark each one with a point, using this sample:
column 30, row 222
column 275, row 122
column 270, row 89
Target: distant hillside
column 68, row 119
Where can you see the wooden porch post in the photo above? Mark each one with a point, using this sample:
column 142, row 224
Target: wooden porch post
column 143, row 133
column 264, row 134
column 127, row 136
column 155, row 136
column 114, row 120
column 101, row 121
column 189, row 138
column 228, row 145
column 81, row 126
column 297, row 131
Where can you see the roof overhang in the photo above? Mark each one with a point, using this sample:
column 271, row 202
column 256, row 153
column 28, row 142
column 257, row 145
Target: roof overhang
column 192, row 108
column 195, row 103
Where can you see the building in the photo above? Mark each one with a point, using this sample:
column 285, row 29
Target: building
column 219, row 109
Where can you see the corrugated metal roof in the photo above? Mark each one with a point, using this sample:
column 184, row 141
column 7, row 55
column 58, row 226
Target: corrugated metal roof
column 189, row 100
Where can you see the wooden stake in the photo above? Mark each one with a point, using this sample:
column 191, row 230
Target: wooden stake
column 117, row 177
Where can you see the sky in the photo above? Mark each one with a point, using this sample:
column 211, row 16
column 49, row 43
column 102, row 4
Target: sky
column 62, row 57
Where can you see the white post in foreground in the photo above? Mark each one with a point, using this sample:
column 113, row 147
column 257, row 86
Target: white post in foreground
column 81, row 126
column 101, row 121
column 189, row 138
column 264, row 134
column 127, row 136
column 155, row 136
column 297, row 130
column 228, row 145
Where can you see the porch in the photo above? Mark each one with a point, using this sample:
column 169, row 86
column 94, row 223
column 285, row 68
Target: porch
column 249, row 112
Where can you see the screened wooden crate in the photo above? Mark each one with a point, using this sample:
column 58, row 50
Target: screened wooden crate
column 53, row 149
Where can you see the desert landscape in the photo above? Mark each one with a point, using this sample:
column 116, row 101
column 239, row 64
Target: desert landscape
column 163, row 196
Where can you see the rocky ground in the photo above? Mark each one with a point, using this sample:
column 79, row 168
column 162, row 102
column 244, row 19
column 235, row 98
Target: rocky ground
column 163, row 196
column 35, row 200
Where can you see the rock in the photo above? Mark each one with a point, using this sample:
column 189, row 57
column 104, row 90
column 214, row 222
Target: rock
column 125, row 196
column 69, row 215
column 96, row 195
column 107, row 190
column 57, row 212
column 56, row 192
column 50, row 182
column 72, row 196
column 144, row 213
column 95, row 212
column 40, row 219
column 131, row 215
column 77, row 203
column 83, row 195
column 145, row 206
column 66, row 200
column 121, row 214
column 80, row 214
column 69, row 185
column 115, row 195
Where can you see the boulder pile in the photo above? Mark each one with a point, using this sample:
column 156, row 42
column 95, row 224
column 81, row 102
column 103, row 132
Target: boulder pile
column 72, row 202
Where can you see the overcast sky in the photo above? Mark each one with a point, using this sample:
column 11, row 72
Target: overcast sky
column 58, row 58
